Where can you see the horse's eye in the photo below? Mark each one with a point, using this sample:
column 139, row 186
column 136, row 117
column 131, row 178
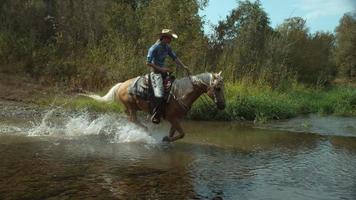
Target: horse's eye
column 217, row 89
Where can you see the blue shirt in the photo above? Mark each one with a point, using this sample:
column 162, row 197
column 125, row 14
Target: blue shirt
column 158, row 52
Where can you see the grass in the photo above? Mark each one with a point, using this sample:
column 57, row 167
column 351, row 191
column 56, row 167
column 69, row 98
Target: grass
column 253, row 103
column 84, row 103
column 261, row 103
column 336, row 100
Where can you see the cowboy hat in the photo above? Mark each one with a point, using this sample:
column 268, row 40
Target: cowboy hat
column 169, row 33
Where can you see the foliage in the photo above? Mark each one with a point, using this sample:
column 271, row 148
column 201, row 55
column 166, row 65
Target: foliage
column 261, row 103
column 346, row 46
column 246, row 47
column 69, row 42
column 307, row 56
column 243, row 36
column 108, row 37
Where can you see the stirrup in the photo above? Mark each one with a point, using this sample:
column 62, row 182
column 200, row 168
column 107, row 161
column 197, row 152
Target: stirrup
column 154, row 119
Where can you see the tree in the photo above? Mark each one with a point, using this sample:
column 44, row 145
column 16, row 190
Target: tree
column 346, row 46
column 242, row 37
column 182, row 17
column 295, row 34
column 307, row 56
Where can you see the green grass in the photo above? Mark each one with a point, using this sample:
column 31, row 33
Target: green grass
column 261, row 103
column 85, row 103
column 253, row 103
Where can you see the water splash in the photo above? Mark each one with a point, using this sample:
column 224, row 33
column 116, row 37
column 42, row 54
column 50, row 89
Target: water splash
column 9, row 129
column 45, row 127
column 113, row 126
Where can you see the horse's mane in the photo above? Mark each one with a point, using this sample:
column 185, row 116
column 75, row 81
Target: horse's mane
column 184, row 85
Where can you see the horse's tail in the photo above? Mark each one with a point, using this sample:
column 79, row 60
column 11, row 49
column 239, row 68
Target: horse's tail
column 109, row 97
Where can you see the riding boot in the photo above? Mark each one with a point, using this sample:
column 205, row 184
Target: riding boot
column 156, row 114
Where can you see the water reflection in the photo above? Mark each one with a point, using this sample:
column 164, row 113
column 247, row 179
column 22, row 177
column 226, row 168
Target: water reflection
column 245, row 138
column 345, row 143
column 322, row 125
column 76, row 169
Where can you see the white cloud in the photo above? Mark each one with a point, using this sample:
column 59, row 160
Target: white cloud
column 315, row 9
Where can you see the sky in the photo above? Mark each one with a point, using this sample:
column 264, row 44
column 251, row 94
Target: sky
column 321, row 15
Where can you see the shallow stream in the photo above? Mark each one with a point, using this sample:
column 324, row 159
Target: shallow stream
column 51, row 154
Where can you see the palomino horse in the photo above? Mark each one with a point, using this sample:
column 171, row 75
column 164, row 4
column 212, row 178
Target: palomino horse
column 183, row 94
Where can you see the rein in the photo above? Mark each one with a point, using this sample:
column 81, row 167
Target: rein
column 185, row 107
column 205, row 99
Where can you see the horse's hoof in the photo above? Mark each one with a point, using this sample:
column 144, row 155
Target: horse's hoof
column 155, row 120
column 166, row 139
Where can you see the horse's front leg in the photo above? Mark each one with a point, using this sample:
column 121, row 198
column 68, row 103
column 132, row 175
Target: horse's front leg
column 175, row 126
column 172, row 131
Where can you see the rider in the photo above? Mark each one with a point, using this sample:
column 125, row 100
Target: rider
column 155, row 59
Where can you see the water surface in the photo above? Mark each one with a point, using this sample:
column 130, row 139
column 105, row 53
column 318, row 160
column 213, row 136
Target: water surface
column 57, row 155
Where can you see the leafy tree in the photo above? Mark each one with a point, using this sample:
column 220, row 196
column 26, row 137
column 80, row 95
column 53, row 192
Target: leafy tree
column 93, row 43
column 295, row 33
column 182, row 17
column 242, row 37
column 307, row 56
column 346, row 46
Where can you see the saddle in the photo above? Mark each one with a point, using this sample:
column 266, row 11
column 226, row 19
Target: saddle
column 142, row 87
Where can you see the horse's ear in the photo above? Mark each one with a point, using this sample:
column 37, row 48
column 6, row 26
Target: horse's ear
column 213, row 74
column 219, row 73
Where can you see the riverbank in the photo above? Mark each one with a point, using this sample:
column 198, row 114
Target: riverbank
column 244, row 102
column 20, row 88
column 261, row 103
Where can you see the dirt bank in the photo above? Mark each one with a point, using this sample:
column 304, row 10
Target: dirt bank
column 20, row 88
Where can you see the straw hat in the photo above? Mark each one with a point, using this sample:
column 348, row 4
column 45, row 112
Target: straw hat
column 169, row 33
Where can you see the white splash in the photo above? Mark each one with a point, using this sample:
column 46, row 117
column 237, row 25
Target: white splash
column 115, row 126
column 45, row 127
column 6, row 129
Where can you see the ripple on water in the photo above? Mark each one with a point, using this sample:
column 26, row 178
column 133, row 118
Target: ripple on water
column 323, row 125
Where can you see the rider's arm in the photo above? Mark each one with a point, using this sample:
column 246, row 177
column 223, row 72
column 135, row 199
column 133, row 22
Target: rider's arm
column 176, row 59
column 180, row 63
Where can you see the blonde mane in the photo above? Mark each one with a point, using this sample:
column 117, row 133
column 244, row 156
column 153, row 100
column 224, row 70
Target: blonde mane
column 183, row 86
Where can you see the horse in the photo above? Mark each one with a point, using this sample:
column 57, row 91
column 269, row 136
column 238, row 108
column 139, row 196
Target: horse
column 184, row 92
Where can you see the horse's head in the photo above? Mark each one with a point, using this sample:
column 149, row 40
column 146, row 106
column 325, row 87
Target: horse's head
column 216, row 90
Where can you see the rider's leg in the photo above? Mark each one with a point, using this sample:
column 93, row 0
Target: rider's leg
column 158, row 90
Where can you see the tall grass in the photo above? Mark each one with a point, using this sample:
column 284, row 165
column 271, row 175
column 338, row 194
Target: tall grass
column 261, row 103
column 84, row 103
column 254, row 103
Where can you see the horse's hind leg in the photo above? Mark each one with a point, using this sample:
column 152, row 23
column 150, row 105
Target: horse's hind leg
column 133, row 118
